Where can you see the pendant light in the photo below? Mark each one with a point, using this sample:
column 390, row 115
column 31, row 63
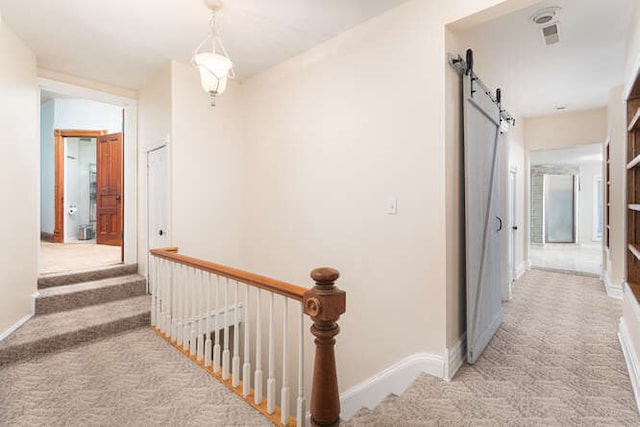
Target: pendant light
column 215, row 66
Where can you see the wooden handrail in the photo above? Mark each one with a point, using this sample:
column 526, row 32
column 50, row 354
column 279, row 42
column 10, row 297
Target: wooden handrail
column 276, row 286
column 324, row 303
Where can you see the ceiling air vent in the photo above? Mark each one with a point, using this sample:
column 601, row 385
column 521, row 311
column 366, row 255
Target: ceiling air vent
column 550, row 34
column 547, row 20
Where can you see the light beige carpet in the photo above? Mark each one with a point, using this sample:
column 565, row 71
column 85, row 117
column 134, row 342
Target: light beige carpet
column 131, row 379
column 556, row 360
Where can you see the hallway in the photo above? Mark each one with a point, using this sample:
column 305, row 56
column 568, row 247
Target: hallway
column 555, row 360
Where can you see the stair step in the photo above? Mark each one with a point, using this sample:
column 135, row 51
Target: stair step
column 62, row 279
column 70, row 297
column 52, row 332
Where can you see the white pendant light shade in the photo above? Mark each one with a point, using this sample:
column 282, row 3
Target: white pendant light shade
column 214, row 71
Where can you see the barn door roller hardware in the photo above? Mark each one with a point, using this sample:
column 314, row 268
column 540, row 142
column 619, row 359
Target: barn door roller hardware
column 465, row 66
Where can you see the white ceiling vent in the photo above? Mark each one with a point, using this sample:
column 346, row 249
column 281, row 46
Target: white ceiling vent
column 550, row 34
column 546, row 15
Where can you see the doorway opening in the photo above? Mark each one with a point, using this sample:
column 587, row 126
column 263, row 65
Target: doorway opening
column 81, row 184
column 565, row 209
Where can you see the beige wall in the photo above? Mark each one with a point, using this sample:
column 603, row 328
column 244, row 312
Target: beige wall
column 454, row 182
column 207, row 169
column 154, row 126
column 331, row 134
column 566, row 130
column 19, row 175
column 615, row 263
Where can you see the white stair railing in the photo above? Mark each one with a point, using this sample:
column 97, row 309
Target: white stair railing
column 192, row 308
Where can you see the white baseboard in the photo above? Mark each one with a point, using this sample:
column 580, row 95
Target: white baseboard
column 613, row 290
column 15, row 326
column 528, row 264
column 393, row 380
column 631, row 358
column 455, row 357
column 522, row 268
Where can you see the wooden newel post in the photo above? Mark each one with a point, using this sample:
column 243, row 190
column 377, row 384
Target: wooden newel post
column 325, row 303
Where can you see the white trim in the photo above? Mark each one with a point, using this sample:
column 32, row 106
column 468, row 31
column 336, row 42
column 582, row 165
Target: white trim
column 632, row 300
column 393, row 380
column 15, row 326
column 613, row 291
column 528, row 265
column 522, row 268
column 455, row 357
column 631, row 358
column 166, row 141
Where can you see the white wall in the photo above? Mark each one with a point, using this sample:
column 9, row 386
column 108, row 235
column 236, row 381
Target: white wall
column 47, row 168
column 19, row 227
column 588, row 171
column 615, row 259
column 87, row 115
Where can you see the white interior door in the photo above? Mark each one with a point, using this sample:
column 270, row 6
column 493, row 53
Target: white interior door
column 482, row 217
column 158, row 197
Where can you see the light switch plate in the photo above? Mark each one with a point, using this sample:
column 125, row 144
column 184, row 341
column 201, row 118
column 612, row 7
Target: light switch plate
column 392, row 205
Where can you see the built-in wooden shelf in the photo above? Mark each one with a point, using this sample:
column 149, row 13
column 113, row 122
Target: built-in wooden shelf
column 634, row 121
column 634, row 208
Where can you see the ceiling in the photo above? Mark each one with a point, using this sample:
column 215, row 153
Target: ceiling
column 125, row 43
column 578, row 72
column 567, row 156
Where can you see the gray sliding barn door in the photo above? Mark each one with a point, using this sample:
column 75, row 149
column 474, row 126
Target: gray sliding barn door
column 482, row 217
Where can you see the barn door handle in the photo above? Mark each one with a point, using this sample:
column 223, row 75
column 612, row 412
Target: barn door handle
column 161, row 232
column 499, row 219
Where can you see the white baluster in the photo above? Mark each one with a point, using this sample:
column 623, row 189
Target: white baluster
column 194, row 312
column 153, row 288
column 166, row 279
column 246, row 367
column 301, row 415
column 216, row 347
column 284, row 393
column 207, row 344
column 160, row 314
column 171, row 272
column 225, row 352
column 201, row 318
column 177, row 270
column 235, row 363
column 271, row 380
column 186, row 326
column 257, row 382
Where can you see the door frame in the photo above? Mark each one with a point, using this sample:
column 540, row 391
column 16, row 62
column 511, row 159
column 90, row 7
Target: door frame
column 59, row 135
column 513, row 231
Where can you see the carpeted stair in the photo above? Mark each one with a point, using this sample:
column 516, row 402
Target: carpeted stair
column 79, row 307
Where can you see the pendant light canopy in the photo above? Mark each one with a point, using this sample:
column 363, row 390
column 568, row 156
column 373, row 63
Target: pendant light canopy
column 215, row 66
